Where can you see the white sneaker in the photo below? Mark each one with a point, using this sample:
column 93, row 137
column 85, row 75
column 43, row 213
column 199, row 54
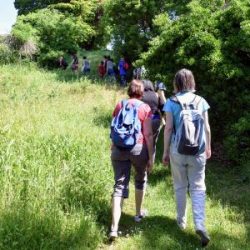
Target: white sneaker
column 182, row 225
column 143, row 214
column 113, row 235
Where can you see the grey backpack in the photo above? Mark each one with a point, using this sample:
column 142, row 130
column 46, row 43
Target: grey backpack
column 189, row 136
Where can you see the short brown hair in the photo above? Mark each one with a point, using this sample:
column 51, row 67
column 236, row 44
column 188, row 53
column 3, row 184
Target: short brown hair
column 135, row 89
column 184, row 81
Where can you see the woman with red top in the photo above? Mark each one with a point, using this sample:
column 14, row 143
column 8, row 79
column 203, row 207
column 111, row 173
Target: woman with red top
column 140, row 156
column 101, row 69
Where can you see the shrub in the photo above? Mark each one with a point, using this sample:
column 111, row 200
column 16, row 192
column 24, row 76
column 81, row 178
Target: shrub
column 213, row 42
column 48, row 34
column 7, row 55
column 237, row 144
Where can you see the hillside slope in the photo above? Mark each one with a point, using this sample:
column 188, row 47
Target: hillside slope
column 56, row 177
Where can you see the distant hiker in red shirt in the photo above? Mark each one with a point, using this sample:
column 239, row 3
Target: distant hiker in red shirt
column 101, row 69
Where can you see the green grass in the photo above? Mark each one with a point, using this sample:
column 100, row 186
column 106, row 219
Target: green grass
column 56, row 177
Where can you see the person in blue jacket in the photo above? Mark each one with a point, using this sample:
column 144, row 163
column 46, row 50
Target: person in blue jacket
column 123, row 67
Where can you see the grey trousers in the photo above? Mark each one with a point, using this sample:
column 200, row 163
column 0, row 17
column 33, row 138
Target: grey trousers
column 188, row 174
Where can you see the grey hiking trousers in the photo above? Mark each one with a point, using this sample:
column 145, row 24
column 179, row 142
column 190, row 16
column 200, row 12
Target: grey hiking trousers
column 188, row 174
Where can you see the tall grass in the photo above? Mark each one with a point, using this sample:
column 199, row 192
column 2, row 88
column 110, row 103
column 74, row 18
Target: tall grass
column 54, row 162
column 56, row 177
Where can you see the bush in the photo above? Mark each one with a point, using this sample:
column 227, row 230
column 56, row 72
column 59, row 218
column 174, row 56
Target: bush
column 51, row 34
column 7, row 55
column 237, row 144
column 214, row 43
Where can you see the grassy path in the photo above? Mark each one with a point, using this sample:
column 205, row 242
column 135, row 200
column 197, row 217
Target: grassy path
column 227, row 215
column 56, row 177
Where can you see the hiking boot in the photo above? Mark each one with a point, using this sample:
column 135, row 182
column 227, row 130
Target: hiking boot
column 113, row 235
column 204, row 237
column 182, row 225
column 138, row 218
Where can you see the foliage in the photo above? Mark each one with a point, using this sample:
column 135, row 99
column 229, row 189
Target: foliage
column 26, row 6
column 87, row 11
column 52, row 32
column 57, row 27
column 213, row 41
column 7, row 54
column 130, row 25
column 238, row 141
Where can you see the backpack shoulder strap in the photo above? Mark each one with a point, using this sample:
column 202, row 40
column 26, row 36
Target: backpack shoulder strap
column 124, row 102
column 173, row 99
column 197, row 100
column 179, row 101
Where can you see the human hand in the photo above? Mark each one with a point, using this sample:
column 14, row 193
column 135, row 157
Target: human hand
column 208, row 153
column 150, row 166
column 165, row 159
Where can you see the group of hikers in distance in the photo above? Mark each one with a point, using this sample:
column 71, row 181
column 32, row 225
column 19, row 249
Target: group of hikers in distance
column 62, row 63
column 107, row 69
column 135, row 128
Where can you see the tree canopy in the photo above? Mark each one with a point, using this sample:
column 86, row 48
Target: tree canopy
column 26, row 6
column 130, row 24
column 213, row 40
column 57, row 27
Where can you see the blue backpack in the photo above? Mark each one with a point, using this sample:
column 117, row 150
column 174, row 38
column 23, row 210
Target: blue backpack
column 126, row 126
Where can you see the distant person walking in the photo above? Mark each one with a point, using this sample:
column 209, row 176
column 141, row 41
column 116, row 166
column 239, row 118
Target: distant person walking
column 62, row 63
column 188, row 152
column 140, row 154
column 105, row 60
column 85, row 65
column 139, row 72
column 101, row 69
column 160, row 89
column 74, row 63
column 153, row 100
column 110, row 69
column 123, row 67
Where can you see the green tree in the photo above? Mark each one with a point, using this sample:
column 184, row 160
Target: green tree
column 213, row 40
column 26, row 6
column 89, row 11
column 58, row 27
column 130, row 24
column 86, row 11
column 53, row 32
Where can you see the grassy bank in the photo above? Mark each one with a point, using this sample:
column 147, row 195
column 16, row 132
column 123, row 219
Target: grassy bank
column 56, row 177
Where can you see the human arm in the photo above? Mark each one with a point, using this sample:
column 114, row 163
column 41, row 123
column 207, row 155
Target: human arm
column 161, row 101
column 148, row 135
column 167, row 137
column 207, row 134
column 161, row 95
